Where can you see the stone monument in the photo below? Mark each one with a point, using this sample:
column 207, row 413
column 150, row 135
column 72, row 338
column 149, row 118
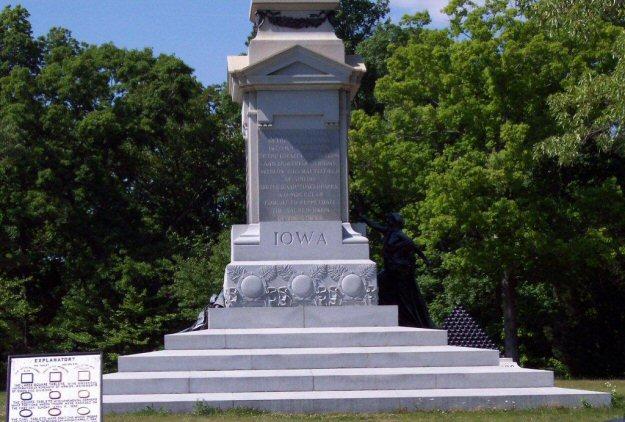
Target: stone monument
column 298, row 248
column 295, row 86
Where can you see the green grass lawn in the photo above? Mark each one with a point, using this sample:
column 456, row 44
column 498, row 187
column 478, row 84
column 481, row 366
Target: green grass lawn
column 599, row 415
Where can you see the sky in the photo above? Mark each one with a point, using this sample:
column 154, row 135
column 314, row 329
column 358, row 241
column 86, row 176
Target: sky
column 200, row 32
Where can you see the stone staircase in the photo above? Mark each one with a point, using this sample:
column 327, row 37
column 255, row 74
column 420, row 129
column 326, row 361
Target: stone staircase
column 343, row 359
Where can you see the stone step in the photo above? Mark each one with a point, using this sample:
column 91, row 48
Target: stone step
column 307, row 358
column 305, row 338
column 303, row 316
column 323, row 380
column 362, row 401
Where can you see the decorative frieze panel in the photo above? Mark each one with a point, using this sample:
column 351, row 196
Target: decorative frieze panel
column 301, row 284
column 313, row 20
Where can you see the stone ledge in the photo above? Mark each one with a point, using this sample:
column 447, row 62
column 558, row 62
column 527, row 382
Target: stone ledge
column 271, row 338
column 303, row 316
column 365, row 401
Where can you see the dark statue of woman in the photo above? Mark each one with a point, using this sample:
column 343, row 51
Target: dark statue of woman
column 396, row 282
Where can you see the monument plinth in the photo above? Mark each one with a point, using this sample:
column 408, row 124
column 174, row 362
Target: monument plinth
column 295, row 86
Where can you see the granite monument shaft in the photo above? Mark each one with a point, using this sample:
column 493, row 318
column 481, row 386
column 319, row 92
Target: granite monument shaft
column 295, row 87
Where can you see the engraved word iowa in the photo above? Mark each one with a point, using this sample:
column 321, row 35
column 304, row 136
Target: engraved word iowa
column 297, row 238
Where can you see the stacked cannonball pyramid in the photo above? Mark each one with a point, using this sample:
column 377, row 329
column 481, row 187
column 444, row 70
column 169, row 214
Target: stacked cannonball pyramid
column 463, row 331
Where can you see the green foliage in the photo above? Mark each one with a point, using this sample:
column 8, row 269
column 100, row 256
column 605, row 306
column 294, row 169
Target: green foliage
column 17, row 315
column 618, row 400
column 357, row 19
column 200, row 275
column 18, row 48
column 16, row 312
column 590, row 111
column 202, row 409
column 378, row 48
column 583, row 20
column 111, row 175
column 473, row 147
column 151, row 412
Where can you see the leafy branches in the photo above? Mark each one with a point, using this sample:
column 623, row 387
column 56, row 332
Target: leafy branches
column 501, row 142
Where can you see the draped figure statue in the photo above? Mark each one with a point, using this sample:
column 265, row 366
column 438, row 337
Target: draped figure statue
column 396, row 282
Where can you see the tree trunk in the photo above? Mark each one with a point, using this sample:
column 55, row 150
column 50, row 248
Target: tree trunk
column 508, row 304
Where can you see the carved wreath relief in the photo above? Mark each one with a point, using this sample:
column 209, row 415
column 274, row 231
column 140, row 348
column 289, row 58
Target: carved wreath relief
column 285, row 285
column 313, row 20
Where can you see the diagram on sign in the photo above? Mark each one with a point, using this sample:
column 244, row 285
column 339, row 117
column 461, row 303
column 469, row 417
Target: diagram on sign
column 55, row 388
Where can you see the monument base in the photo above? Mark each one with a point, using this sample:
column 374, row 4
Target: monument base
column 294, row 283
column 326, row 359
column 310, row 263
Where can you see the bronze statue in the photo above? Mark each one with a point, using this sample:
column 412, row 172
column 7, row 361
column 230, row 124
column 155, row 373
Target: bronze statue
column 396, row 282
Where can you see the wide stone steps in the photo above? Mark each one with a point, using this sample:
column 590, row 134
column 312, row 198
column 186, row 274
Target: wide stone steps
column 307, row 358
column 323, row 380
column 314, row 359
column 362, row 401
column 305, row 338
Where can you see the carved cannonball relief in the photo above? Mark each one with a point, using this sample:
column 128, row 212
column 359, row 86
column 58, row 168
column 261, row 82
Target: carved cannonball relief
column 352, row 285
column 252, row 287
column 302, row 286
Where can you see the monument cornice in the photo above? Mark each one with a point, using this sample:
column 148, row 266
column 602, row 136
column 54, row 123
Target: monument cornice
column 292, row 5
column 279, row 72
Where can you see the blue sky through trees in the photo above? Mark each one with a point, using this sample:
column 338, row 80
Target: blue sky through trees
column 201, row 32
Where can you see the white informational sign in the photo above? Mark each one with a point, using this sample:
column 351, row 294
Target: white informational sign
column 55, row 388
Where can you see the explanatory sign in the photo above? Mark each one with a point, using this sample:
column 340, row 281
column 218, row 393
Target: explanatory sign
column 55, row 388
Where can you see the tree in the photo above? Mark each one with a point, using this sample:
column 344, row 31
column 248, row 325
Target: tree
column 18, row 48
column 356, row 20
column 16, row 319
column 111, row 162
column 377, row 49
column 200, row 274
column 458, row 150
column 591, row 107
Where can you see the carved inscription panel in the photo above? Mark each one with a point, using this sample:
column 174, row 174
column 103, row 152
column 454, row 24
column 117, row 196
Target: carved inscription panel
column 299, row 175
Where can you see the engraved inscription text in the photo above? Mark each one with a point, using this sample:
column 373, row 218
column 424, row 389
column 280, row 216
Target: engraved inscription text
column 299, row 238
column 299, row 175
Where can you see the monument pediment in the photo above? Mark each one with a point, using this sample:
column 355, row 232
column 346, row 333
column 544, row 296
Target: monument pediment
column 296, row 67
